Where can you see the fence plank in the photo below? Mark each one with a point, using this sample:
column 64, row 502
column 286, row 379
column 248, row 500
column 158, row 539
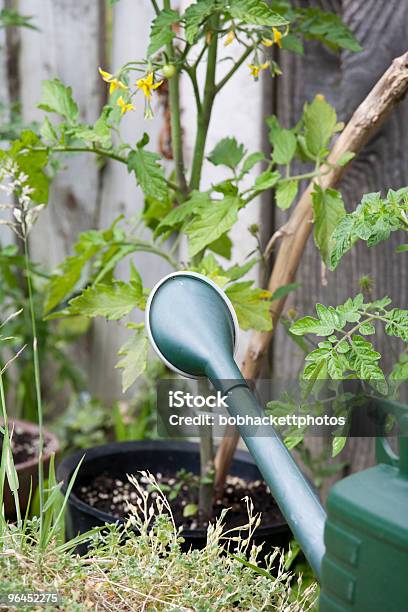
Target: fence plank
column 345, row 79
column 120, row 194
column 6, row 235
column 68, row 46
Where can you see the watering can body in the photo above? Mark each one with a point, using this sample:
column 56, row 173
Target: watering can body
column 365, row 566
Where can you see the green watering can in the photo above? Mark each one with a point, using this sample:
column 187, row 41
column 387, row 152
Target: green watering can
column 359, row 551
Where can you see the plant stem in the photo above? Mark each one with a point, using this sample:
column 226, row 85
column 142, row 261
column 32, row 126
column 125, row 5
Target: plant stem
column 193, row 77
column 148, row 247
column 155, row 6
column 175, row 117
column 37, row 387
column 235, row 67
column 94, row 150
column 369, row 317
column 203, row 117
column 298, row 177
column 176, row 132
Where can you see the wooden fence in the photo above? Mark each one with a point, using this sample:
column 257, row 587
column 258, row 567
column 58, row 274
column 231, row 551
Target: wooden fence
column 77, row 36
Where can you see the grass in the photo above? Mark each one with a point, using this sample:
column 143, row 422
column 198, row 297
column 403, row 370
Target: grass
column 125, row 571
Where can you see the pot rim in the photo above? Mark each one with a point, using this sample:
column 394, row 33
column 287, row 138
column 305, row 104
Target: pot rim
column 69, row 463
column 51, row 446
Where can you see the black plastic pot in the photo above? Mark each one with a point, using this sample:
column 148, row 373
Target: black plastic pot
column 122, row 458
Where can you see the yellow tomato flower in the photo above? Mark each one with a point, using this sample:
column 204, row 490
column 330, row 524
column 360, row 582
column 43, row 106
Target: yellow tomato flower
column 230, row 37
column 124, row 106
column 267, row 42
column 277, row 37
column 147, row 85
column 114, row 83
column 256, row 69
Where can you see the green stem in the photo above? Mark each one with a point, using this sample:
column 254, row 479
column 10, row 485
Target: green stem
column 175, row 117
column 306, row 175
column 203, row 118
column 176, row 132
column 94, row 150
column 155, row 6
column 369, row 317
column 37, row 387
column 193, row 77
column 233, row 70
column 147, row 247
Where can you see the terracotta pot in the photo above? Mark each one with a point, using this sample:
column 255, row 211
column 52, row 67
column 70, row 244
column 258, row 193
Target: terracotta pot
column 28, row 470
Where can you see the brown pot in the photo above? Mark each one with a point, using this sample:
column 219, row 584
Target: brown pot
column 28, row 470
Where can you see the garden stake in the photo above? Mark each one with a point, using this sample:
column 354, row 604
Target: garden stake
column 360, row 553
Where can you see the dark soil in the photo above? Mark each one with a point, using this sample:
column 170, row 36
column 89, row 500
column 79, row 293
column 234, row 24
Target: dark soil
column 24, row 444
column 111, row 495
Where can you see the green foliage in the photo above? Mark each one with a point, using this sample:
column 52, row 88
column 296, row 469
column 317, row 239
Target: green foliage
column 12, row 19
column 190, row 510
column 96, row 255
column 113, row 301
column 320, row 465
column 307, row 142
column 328, row 28
column 251, row 160
column 255, row 12
column 284, row 146
column 82, row 424
column 64, row 281
column 57, row 98
column 31, row 163
column 314, row 24
column 373, row 221
column 328, row 398
column 161, row 33
column 266, row 180
column 286, row 192
column 251, row 305
column 148, row 171
column 227, row 153
column 255, row 16
column 345, row 352
column 98, row 135
column 195, row 15
column 134, row 357
column 211, row 223
column 328, row 210
column 320, row 123
column 284, row 290
column 53, row 340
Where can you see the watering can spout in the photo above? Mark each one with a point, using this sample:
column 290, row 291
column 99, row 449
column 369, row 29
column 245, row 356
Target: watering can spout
column 193, row 328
